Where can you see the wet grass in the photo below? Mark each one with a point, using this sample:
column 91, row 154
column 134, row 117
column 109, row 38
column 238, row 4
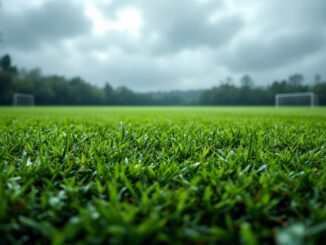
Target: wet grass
column 198, row 175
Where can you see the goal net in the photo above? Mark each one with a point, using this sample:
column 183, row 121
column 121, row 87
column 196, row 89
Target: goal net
column 21, row 99
column 296, row 99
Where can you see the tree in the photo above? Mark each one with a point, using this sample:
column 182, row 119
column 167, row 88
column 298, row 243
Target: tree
column 225, row 94
column 246, row 81
column 245, row 96
column 320, row 90
column 6, row 79
column 6, row 82
column 296, row 80
column 5, row 64
column 109, row 94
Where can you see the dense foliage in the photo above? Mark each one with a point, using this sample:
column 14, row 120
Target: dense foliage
column 162, row 175
column 58, row 90
column 229, row 94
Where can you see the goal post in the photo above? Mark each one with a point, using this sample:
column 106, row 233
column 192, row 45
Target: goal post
column 296, row 99
column 23, row 99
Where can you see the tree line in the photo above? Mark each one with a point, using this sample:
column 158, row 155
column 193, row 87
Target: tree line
column 58, row 90
column 247, row 94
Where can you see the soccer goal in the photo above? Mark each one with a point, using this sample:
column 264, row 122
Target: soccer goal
column 296, row 99
column 21, row 99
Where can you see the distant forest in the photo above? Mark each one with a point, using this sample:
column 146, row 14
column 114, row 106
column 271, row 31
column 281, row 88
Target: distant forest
column 58, row 90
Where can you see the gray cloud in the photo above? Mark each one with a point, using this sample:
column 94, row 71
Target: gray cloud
column 181, row 44
column 192, row 35
column 187, row 25
column 266, row 54
column 295, row 14
column 182, row 24
column 48, row 23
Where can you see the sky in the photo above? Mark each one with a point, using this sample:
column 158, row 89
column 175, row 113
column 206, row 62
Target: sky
column 150, row 45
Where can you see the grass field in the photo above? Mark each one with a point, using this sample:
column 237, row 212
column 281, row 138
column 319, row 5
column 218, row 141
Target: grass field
column 136, row 175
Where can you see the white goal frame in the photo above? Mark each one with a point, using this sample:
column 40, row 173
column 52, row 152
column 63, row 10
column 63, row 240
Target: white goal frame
column 313, row 97
column 16, row 96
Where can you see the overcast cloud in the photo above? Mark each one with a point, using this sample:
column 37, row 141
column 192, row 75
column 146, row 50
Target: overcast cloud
column 166, row 44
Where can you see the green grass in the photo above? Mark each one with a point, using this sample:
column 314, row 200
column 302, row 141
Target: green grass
column 133, row 175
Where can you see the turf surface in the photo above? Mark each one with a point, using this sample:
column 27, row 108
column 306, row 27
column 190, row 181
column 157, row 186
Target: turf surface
column 133, row 175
